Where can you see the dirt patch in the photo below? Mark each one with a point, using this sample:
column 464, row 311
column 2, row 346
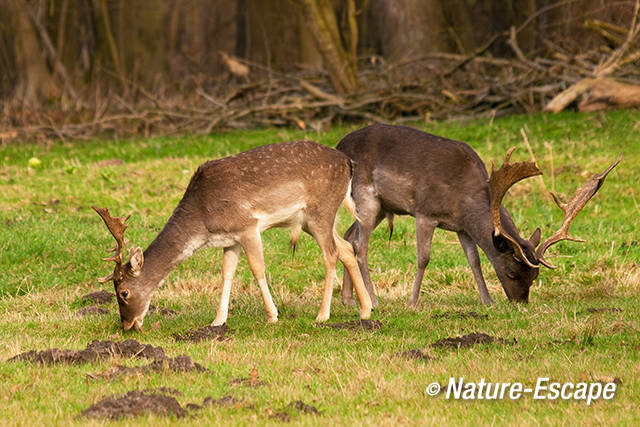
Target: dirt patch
column 99, row 297
column 416, row 354
column 460, row 315
column 100, row 350
column 468, row 340
column 223, row 401
column 95, row 350
column 281, row 416
column 298, row 406
column 92, row 310
column 163, row 311
column 163, row 390
column 366, row 324
column 134, row 403
column 158, row 401
column 216, row 333
column 596, row 310
column 253, row 380
column 175, row 364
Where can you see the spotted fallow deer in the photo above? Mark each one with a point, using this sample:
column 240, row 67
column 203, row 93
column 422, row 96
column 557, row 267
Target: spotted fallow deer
column 228, row 203
column 443, row 183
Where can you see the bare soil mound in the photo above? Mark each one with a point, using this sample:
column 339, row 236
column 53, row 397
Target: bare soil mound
column 216, row 333
column 366, row 324
column 227, row 400
column 468, row 340
column 253, row 380
column 95, row 350
column 298, row 406
column 595, row 310
column 416, row 354
column 99, row 297
column 163, row 311
column 134, row 403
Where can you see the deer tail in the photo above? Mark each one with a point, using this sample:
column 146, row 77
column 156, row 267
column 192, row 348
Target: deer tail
column 349, row 204
column 389, row 217
column 295, row 235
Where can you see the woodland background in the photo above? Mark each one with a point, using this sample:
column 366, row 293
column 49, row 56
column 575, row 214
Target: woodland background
column 76, row 68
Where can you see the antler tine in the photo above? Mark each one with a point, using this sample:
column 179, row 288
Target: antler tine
column 117, row 227
column 499, row 183
column 571, row 209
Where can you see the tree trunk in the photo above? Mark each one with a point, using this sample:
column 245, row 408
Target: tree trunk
column 409, row 28
column 321, row 19
column 35, row 82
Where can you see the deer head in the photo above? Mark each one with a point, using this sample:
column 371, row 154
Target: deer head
column 133, row 303
column 519, row 258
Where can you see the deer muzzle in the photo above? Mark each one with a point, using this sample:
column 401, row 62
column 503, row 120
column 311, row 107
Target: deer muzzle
column 136, row 324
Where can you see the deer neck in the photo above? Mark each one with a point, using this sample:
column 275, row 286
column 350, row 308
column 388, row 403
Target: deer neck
column 482, row 233
column 179, row 239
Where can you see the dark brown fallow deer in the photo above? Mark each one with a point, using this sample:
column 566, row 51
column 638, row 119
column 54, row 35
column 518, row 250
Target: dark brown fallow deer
column 228, row 204
column 443, row 183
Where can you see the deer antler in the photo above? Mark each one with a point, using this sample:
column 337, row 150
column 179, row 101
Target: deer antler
column 499, row 183
column 571, row 210
column 117, row 227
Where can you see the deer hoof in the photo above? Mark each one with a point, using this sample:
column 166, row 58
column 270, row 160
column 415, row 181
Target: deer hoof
column 412, row 303
column 321, row 317
column 487, row 301
column 349, row 301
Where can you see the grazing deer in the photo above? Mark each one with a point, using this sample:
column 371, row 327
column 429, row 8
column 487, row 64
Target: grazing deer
column 443, row 183
column 228, row 204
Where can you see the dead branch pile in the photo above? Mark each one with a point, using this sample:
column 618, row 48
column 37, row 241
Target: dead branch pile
column 437, row 86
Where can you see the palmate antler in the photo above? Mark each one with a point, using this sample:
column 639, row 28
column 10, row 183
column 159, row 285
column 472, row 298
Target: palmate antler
column 510, row 173
column 116, row 227
column 571, row 210
column 499, row 183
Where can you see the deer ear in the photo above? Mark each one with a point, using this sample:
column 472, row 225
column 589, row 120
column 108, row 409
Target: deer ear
column 136, row 259
column 500, row 243
column 535, row 238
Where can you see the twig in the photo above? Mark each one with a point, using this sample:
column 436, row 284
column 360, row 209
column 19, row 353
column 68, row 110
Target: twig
column 543, row 188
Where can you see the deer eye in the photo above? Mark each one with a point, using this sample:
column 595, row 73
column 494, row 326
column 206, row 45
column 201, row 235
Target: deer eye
column 511, row 275
column 124, row 294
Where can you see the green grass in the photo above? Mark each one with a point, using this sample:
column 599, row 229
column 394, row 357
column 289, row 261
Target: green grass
column 51, row 243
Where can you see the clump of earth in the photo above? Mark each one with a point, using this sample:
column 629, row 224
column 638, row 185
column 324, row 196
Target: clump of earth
column 366, row 324
column 95, row 350
column 416, row 354
column 216, row 333
column 468, row 340
column 285, row 413
column 134, row 403
column 99, row 297
column 101, row 350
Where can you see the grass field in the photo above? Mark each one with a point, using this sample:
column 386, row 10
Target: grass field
column 582, row 323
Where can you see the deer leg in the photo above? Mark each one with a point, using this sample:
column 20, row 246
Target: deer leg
column 368, row 222
column 329, row 255
column 252, row 246
column 347, row 257
column 424, row 234
column 229, row 263
column 347, row 284
column 471, row 251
